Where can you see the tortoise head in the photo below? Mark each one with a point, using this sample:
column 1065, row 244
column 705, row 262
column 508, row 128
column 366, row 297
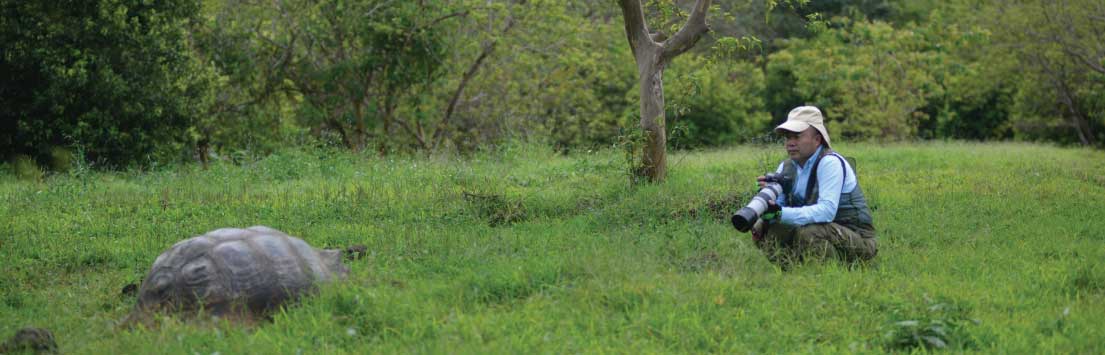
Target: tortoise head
column 332, row 258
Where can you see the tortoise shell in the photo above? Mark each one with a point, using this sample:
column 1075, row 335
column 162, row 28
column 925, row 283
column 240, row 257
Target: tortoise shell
column 254, row 269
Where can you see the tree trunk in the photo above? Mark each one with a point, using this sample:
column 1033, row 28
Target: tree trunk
column 203, row 149
column 653, row 121
column 1058, row 77
column 359, row 132
column 651, row 57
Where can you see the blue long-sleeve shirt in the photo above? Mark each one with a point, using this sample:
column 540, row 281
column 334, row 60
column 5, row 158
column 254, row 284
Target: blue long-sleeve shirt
column 829, row 174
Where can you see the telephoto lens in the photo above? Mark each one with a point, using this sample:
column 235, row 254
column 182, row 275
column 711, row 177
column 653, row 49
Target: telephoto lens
column 747, row 216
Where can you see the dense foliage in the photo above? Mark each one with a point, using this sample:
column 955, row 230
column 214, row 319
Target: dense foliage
column 115, row 78
column 129, row 82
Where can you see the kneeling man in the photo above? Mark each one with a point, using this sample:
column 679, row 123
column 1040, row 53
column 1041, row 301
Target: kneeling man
column 822, row 213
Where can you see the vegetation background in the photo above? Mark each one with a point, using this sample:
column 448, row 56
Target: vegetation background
column 128, row 83
column 481, row 150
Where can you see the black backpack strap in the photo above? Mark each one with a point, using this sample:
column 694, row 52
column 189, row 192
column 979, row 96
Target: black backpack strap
column 812, row 179
column 843, row 167
column 813, row 174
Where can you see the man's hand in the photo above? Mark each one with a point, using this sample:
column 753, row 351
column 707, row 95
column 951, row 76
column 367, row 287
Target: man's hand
column 758, row 230
column 761, row 180
column 773, row 212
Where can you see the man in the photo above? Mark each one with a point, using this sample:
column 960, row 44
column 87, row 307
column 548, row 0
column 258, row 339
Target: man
column 822, row 213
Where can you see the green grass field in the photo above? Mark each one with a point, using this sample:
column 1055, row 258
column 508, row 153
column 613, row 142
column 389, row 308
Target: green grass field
column 996, row 248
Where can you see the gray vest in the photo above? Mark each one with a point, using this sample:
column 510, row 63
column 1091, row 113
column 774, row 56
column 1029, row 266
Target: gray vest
column 852, row 211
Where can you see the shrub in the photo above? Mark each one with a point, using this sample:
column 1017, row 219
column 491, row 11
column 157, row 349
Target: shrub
column 938, row 324
column 713, row 103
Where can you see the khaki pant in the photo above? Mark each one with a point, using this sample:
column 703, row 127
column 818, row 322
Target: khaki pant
column 786, row 244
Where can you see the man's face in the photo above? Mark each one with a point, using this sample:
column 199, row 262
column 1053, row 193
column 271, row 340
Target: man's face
column 800, row 146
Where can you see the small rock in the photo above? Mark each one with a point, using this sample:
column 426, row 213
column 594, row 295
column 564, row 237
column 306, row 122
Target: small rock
column 33, row 339
column 355, row 252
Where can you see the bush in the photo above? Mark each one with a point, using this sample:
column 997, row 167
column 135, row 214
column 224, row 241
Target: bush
column 868, row 78
column 936, row 325
column 26, row 169
column 713, row 103
column 873, row 80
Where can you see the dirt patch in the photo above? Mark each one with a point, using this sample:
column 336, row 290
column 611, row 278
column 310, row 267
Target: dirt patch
column 496, row 209
column 719, row 209
column 706, row 260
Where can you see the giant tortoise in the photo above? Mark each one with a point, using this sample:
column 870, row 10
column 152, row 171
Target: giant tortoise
column 236, row 271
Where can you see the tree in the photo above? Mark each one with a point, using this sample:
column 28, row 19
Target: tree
column 348, row 64
column 246, row 113
column 652, row 52
column 383, row 73
column 356, row 60
column 560, row 83
column 1060, row 46
column 115, row 77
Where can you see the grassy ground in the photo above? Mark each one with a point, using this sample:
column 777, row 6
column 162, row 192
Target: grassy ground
column 990, row 248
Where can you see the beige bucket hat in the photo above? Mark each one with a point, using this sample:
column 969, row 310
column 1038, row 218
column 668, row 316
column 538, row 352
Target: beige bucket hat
column 803, row 117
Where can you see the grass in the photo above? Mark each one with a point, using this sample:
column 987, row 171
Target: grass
column 987, row 248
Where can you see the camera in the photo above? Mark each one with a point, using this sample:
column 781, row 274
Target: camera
column 747, row 216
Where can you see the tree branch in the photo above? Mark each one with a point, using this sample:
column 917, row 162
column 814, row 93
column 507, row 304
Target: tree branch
column 439, row 130
column 1055, row 75
column 635, row 27
column 413, row 132
column 1085, row 59
column 687, row 36
column 341, row 131
column 435, row 21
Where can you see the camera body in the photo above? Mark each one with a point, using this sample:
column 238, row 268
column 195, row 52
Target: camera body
column 747, row 216
column 777, row 178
